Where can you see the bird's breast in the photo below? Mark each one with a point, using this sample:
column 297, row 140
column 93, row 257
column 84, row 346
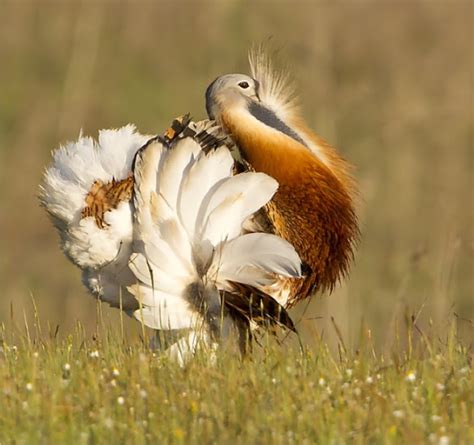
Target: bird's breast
column 312, row 209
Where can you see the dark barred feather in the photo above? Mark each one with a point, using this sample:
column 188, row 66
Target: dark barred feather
column 254, row 305
column 103, row 197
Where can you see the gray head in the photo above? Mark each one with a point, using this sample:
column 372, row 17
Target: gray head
column 241, row 91
column 229, row 91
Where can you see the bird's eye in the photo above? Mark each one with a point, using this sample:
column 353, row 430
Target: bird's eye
column 244, row 85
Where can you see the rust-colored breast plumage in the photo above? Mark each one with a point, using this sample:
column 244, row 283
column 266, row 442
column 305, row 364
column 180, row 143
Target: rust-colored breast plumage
column 313, row 208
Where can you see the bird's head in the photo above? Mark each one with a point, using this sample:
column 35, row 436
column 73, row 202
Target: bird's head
column 261, row 114
column 240, row 93
column 230, row 91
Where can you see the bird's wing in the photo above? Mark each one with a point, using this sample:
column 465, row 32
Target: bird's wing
column 189, row 212
column 240, row 258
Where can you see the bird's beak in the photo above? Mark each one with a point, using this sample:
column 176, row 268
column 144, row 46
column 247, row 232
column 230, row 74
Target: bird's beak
column 255, row 97
column 257, row 89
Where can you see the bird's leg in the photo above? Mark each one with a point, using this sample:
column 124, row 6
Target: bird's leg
column 165, row 339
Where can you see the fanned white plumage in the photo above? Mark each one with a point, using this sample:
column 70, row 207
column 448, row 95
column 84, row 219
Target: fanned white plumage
column 228, row 205
column 76, row 165
column 201, row 178
column 102, row 253
column 246, row 258
column 165, row 256
column 188, row 232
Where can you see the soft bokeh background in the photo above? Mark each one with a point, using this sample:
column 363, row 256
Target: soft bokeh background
column 388, row 83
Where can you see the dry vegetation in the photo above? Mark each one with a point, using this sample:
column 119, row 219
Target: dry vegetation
column 388, row 83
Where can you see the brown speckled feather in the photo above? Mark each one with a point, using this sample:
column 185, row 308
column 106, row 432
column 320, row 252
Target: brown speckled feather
column 103, row 197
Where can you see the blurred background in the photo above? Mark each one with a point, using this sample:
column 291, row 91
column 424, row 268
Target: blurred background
column 390, row 84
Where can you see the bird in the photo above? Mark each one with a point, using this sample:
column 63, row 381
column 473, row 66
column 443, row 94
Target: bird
column 314, row 207
column 157, row 226
column 212, row 227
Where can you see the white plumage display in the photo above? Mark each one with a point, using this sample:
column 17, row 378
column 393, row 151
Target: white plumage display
column 101, row 244
column 157, row 227
column 214, row 226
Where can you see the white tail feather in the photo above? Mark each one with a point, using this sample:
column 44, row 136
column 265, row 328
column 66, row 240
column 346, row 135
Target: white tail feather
column 230, row 203
column 163, row 310
column 201, row 178
column 255, row 258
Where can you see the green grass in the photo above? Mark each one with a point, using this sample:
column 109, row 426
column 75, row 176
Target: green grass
column 110, row 390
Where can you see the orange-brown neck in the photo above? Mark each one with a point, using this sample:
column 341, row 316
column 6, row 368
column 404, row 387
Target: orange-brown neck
column 312, row 209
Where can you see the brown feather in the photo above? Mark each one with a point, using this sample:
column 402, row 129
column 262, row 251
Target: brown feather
column 256, row 306
column 103, row 197
column 313, row 208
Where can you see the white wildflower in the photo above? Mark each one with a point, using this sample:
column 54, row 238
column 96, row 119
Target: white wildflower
column 349, row 372
column 143, row 394
column 66, row 367
column 115, row 372
column 369, row 380
column 29, row 386
column 94, row 354
column 399, row 414
column 321, row 381
column 120, row 400
column 443, row 440
column 435, row 418
column 411, row 377
column 440, row 387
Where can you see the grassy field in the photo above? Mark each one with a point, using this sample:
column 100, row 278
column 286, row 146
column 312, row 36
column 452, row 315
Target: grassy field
column 390, row 84
column 108, row 390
